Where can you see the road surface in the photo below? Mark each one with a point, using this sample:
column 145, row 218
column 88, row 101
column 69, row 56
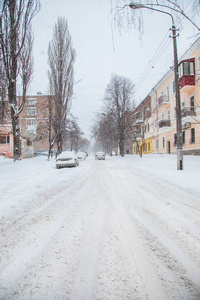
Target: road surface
column 109, row 233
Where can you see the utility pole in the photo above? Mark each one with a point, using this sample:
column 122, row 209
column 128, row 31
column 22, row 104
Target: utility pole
column 178, row 104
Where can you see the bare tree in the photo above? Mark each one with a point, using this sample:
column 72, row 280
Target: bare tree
column 119, row 103
column 74, row 135
column 105, row 130
column 15, row 19
column 45, row 126
column 3, row 95
column 123, row 14
column 61, row 57
column 26, row 66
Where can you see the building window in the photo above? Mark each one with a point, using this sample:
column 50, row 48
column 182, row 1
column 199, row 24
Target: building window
column 183, row 136
column 31, row 111
column 163, row 116
column 4, row 139
column 148, row 127
column 175, row 139
column 186, row 68
column 156, row 145
column 163, row 140
column 192, row 103
column 149, row 146
column 31, row 101
column 192, row 140
column 168, row 115
column 174, row 113
column 167, row 94
column 31, row 122
column 174, row 87
column 198, row 65
column 155, row 123
column 154, row 103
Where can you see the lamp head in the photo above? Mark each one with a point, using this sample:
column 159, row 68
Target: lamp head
column 134, row 5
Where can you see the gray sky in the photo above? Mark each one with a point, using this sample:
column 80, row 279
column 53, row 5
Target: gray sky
column 103, row 49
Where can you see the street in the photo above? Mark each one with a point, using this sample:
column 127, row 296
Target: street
column 109, row 232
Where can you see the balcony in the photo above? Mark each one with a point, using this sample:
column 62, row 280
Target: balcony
column 187, row 74
column 164, row 123
column 136, row 135
column 163, row 100
column 188, row 112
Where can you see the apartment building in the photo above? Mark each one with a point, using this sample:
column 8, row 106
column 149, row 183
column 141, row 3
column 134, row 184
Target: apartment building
column 161, row 123
column 34, row 119
column 142, row 143
column 31, row 120
column 6, row 134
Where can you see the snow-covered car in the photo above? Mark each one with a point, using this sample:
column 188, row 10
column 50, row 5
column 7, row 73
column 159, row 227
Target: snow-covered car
column 100, row 156
column 81, row 155
column 67, row 159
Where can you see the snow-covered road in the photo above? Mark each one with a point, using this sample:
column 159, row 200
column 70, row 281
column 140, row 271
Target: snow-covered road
column 106, row 232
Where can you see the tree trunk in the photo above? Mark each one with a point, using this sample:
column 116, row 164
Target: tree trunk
column 17, row 155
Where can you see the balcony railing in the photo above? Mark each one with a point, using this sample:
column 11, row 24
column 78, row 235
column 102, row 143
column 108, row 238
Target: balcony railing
column 188, row 111
column 164, row 123
column 163, row 100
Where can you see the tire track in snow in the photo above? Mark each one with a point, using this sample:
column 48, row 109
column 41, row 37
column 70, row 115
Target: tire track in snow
column 169, row 255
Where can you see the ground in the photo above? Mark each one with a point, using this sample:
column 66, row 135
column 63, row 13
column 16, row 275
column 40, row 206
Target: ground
column 123, row 228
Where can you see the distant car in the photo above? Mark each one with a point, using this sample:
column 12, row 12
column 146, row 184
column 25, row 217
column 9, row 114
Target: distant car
column 67, row 159
column 100, row 156
column 81, row 155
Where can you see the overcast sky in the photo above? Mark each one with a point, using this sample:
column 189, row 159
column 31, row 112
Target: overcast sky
column 103, row 49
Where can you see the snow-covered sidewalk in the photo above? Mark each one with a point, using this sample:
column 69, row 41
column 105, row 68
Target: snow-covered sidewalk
column 123, row 228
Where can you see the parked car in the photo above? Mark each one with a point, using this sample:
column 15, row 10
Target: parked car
column 67, row 159
column 81, row 155
column 100, row 156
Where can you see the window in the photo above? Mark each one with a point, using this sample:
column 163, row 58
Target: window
column 154, row 103
column 168, row 115
column 192, row 140
column 4, row 139
column 155, row 123
column 192, row 103
column 198, row 65
column 182, row 104
column 149, row 146
column 174, row 87
column 31, row 111
column 188, row 68
column 163, row 140
column 31, row 101
column 156, row 145
column 174, row 113
column 163, row 116
column 148, row 127
column 180, row 70
column 183, row 136
column 167, row 94
column 175, row 139
column 30, row 122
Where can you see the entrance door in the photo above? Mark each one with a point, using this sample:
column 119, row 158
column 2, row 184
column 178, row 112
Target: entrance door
column 168, row 148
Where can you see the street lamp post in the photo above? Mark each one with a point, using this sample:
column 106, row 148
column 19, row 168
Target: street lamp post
column 176, row 79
